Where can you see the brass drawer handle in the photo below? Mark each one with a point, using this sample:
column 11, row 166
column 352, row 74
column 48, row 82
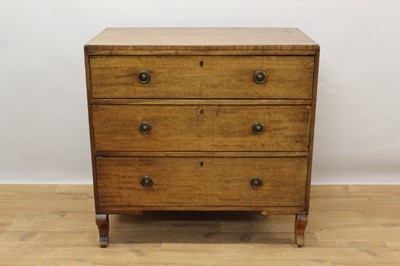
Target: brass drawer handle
column 259, row 76
column 146, row 181
column 256, row 182
column 144, row 128
column 144, row 76
column 258, row 128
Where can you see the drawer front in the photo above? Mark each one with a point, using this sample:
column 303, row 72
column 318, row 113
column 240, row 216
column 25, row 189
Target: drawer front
column 200, row 181
column 201, row 128
column 201, row 76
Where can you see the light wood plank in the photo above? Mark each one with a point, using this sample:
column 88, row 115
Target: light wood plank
column 54, row 225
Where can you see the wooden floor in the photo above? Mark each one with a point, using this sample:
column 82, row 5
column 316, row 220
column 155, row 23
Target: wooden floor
column 54, row 225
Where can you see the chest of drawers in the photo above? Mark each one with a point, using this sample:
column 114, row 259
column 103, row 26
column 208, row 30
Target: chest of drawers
column 201, row 119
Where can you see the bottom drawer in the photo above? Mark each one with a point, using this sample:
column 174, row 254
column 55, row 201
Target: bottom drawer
column 123, row 182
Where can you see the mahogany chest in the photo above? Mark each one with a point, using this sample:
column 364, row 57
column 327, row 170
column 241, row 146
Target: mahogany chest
column 201, row 119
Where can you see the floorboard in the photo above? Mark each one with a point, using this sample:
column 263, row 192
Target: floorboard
column 54, row 225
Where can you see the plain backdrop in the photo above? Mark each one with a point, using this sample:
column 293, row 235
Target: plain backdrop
column 43, row 114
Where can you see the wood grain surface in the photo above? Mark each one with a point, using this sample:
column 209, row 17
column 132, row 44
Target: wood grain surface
column 200, row 128
column 312, row 127
column 201, row 102
column 200, row 40
column 200, row 154
column 55, row 225
column 201, row 76
column 200, row 182
column 238, row 102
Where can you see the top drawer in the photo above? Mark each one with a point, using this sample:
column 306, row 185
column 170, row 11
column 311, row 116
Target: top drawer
column 201, row 76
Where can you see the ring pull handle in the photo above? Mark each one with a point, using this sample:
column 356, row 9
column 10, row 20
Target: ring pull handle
column 146, row 181
column 258, row 128
column 259, row 76
column 144, row 76
column 145, row 128
column 256, row 182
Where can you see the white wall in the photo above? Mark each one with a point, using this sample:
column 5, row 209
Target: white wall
column 43, row 115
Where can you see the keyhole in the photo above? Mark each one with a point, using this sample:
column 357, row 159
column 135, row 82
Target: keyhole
column 201, row 63
column 201, row 111
column 201, row 164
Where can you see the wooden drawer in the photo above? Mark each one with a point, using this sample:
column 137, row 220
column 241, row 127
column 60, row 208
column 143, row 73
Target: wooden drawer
column 195, row 182
column 201, row 76
column 201, row 128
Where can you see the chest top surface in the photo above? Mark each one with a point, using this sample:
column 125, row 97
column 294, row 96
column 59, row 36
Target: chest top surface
column 203, row 39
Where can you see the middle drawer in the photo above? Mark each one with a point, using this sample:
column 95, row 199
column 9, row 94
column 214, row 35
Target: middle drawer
column 201, row 128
